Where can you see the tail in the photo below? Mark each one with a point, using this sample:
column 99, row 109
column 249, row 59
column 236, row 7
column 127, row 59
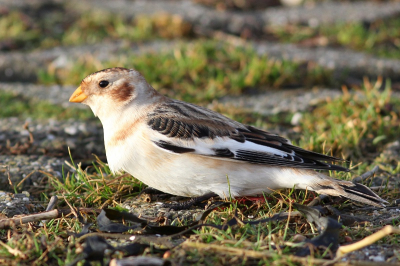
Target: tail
column 350, row 190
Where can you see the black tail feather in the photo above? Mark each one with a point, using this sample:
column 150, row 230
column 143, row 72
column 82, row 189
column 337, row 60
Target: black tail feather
column 361, row 193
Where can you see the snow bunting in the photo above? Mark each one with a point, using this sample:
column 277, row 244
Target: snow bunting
column 187, row 150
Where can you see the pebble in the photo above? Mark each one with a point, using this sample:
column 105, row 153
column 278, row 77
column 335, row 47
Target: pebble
column 296, row 119
column 377, row 258
column 71, row 130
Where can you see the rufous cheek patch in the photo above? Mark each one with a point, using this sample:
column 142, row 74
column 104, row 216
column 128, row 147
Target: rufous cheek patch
column 124, row 92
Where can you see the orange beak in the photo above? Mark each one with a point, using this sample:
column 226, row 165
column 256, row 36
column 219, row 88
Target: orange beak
column 78, row 96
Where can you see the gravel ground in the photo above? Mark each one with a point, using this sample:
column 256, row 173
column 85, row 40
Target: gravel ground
column 290, row 100
column 28, row 146
column 54, row 94
column 16, row 204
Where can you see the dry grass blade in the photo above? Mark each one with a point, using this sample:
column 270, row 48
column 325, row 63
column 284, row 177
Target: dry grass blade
column 36, row 217
column 14, row 251
column 385, row 231
column 239, row 252
column 52, row 203
column 317, row 200
column 251, row 253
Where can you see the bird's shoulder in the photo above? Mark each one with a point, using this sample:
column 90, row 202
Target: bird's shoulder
column 178, row 119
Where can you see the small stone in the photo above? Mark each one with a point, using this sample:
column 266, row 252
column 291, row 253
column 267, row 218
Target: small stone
column 348, row 239
column 71, row 130
column 167, row 254
column 296, row 119
column 377, row 258
column 299, row 238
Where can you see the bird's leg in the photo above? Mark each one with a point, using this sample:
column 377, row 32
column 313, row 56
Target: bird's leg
column 151, row 191
column 154, row 194
column 184, row 205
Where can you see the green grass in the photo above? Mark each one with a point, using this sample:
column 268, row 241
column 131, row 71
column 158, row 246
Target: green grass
column 20, row 30
column 96, row 27
column 42, row 246
column 96, row 187
column 381, row 37
column 15, row 28
column 201, row 71
column 355, row 126
column 18, row 106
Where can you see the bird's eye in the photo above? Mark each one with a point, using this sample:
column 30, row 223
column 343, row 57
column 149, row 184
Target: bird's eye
column 103, row 83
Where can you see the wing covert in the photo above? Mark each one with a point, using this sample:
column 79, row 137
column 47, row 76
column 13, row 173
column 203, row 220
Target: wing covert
column 186, row 128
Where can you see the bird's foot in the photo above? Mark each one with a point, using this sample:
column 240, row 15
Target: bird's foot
column 153, row 194
column 184, row 205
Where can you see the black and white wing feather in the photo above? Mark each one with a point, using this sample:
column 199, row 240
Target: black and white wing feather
column 187, row 128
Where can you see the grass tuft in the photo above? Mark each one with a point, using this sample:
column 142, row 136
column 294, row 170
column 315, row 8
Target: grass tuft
column 380, row 37
column 201, row 71
column 355, row 126
column 94, row 186
column 20, row 30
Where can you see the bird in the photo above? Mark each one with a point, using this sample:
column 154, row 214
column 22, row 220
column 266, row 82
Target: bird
column 188, row 150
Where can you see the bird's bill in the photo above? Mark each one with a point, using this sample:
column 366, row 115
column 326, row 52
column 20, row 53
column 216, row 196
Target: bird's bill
column 78, row 96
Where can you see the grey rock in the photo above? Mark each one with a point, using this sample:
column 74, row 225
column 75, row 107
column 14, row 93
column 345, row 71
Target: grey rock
column 138, row 261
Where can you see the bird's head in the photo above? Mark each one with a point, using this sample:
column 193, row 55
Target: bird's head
column 110, row 90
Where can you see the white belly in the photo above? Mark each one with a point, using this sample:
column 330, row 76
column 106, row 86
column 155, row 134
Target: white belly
column 195, row 175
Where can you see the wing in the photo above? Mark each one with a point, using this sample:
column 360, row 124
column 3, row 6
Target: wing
column 187, row 128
